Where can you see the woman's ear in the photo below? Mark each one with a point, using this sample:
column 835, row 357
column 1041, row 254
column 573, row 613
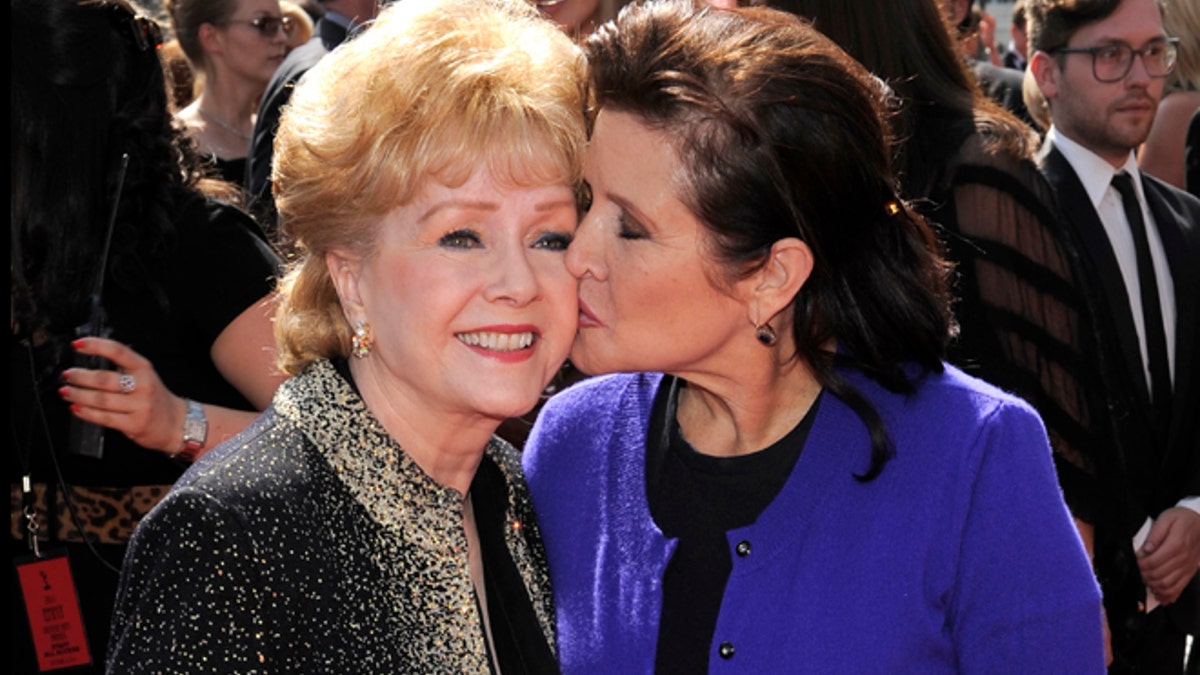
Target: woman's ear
column 775, row 285
column 345, row 271
column 211, row 39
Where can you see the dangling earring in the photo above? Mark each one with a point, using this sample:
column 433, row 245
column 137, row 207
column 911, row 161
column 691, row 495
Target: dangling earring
column 362, row 341
column 766, row 335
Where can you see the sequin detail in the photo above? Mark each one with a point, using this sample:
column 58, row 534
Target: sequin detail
column 313, row 543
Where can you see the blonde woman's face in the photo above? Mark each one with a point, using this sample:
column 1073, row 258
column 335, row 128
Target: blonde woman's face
column 469, row 296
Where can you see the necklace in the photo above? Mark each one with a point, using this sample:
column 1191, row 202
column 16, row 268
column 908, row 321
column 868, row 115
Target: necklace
column 224, row 125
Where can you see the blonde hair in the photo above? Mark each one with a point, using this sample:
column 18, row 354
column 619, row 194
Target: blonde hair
column 302, row 23
column 1181, row 19
column 431, row 90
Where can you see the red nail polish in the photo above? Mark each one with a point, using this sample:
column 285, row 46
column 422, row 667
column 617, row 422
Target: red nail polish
column 77, row 344
column 66, row 375
column 64, row 391
column 75, row 408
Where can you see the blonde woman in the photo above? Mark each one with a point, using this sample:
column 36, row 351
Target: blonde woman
column 370, row 520
column 1162, row 155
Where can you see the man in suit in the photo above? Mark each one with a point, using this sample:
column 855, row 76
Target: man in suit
column 1100, row 64
column 976, row 33
column 1016, row 55
column 342, row 18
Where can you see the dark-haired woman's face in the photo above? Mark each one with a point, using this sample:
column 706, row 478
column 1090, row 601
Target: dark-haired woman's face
column 646, row 295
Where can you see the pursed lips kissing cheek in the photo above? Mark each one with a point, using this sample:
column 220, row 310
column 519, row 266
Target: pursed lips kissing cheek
column 586, row 318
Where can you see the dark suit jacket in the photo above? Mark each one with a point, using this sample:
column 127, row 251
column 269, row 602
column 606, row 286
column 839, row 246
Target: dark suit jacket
column 1013, row 60
column 1140, row 476
column 326, row 36
column 1003, row 85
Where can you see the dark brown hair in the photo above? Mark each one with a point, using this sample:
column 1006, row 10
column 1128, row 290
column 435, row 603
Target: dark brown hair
column 783, row 135
column 909, row 44
column 88, row 87
column 1053, row 22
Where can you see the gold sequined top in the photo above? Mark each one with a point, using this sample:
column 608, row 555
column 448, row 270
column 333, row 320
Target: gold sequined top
column 312, row 543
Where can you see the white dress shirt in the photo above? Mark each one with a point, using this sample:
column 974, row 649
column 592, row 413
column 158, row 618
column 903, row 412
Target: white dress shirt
column 1096, row 176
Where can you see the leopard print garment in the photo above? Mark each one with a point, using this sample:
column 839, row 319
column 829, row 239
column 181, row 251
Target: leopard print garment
column 107, row 515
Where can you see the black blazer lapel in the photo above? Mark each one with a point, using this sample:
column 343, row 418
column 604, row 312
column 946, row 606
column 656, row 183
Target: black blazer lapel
column 1081, row 215
column 1178, row 223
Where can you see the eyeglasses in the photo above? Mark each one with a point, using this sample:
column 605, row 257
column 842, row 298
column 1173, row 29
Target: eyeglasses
column 1112, row 62
column 267, row 26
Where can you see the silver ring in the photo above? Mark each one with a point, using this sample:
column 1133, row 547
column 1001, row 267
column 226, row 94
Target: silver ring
column 127, row 383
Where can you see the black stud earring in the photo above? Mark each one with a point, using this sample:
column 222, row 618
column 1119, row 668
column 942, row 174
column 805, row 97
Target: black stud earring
column 766, row 335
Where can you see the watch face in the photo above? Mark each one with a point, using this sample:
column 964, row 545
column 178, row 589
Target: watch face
column 194, row 430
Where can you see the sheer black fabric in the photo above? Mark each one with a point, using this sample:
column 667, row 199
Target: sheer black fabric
column 1026, row 319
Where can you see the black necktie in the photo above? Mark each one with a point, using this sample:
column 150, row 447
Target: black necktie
column 1156, row 338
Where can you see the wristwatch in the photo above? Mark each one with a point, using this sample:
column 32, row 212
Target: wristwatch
column 195, row 430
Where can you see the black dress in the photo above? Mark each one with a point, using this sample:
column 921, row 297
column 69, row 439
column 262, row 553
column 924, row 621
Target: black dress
column 219, row 265
column 232, row 171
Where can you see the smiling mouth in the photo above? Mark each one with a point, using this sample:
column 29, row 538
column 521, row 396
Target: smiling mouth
column 497, row 342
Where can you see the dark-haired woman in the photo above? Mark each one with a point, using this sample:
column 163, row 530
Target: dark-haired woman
column 1026, row 319
column 781, row 474
column 234, row 46
column 183, row 283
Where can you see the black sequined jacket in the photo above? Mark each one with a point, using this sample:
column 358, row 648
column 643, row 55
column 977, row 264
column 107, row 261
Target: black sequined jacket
column 312, row 543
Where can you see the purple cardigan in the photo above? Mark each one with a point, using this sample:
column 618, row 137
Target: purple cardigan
column 959, row 557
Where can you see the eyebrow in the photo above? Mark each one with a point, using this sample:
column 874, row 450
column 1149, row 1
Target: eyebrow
column 1105, row 41
column 463, row 204
column 628, row 206
column 556, row 204
column 481, row 205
